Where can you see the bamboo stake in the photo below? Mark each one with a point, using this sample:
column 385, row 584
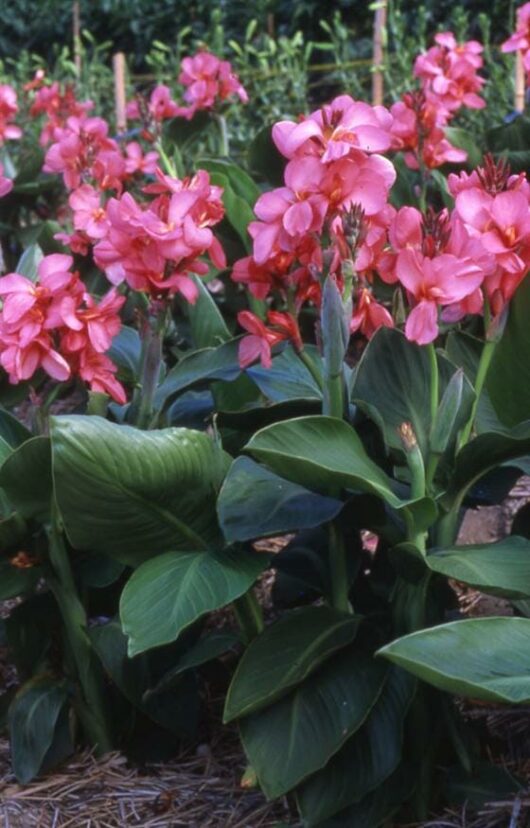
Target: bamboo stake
column 519, row 101
column 118, row 65
column 76, row 26
column 378, row 52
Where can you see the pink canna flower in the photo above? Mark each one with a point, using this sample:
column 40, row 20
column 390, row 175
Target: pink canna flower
column 261, row 340
column 89, row 215
column 90, row 323
column 369, row 315
column 417, row 131
column 334, row 130
column 449, row 73
column 58, row 105
column 520, row 39
column 137, row 162
column 99, row 372
column 8, row 110
column 208, row 81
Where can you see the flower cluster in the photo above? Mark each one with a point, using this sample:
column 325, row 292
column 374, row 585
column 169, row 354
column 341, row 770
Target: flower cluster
column 8, row 110
column 56, row 325
column 449, row 81
column 208, row 82
column 520, row 39
column 334, row 177
column 57, row 105
column 154, row 246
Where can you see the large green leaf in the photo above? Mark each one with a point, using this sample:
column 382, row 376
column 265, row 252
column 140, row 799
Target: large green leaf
column 254, row 502
column 15, row 581
column 134, row 494
column 324, row 454
column 298, row 735
column 377, row 807
column 288, row 378
column 484, row 658
column 237, row 210
column 265, row 159
column 463, row 139
column 240, row 181
column 392, row 385
column 29, row 262
column 168, row 593
column 508, row 378
column 485, row 453
column 208, row 648
column 125, row 352
column 208, row 328
column 201, row 367
column 284, row 655
column 26, row 478
column 501, row 568
column 32, row 719
column 176, row 711
column 12, row 430
column 366, row 760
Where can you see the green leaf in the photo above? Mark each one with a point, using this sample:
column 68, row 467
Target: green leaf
column 298, row 735
column 284, row 655
column 15, row 581
column 254, row 502
column 265, row 159
column 487, row 783
column 375, row 809
column 324, row 454
column 26, row 478
column 199, row 368
column 209, row 647
column 288, row 378
column 501, row 568
column 240, row 181
column 175, row 711
column 167, row 594
column 512, row 141
column 453, row 413
column 208, row 328
column 125, row 352
column 29, row 262
column 392, row 385
column 12, row 430
column 142, row 492
column 484, row 658
column 510, row 365
column 32, row 718
column 484, row 453
column 237, row 211
column 366, row 760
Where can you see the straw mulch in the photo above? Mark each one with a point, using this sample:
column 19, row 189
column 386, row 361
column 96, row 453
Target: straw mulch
column 196, row 790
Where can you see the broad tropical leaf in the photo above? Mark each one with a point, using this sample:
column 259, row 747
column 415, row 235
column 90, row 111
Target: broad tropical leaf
column 142, row 493
column 298, row 735
column 284, row 655
column 484, row 658
column 168, row 593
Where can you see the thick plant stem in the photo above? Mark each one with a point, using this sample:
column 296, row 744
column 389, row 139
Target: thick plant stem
column 334, row 398
column 92, row 709
column 224, row 144
column 433, row 459
column 482, row 371
column 338, row 570
column 249, row 615
column 151, row 362
column 311, row 367
column 417, row 481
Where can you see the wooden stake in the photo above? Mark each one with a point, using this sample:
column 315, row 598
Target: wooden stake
column 378, row 52
column 118, row 64
column 520, row 79
column 76, row 26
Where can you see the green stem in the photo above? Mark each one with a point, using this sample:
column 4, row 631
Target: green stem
column 333, row 403
column 433, row 458
column 482, row 371
column 92, row 709
column 338, row 570
column 151, row 362
column 249, row 615
column 224, row 144
column 167, row 163
column 311, row 367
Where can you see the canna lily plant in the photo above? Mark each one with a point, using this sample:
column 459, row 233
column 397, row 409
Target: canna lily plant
column 377, row 392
